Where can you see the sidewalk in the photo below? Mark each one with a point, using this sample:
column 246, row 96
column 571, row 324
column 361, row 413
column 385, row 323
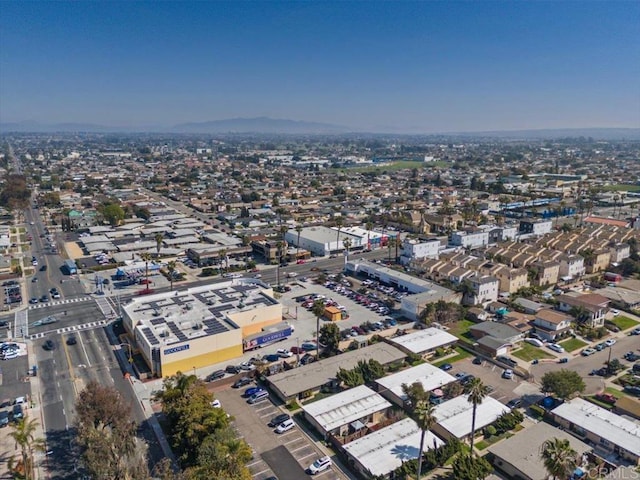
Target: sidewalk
column 36, row 411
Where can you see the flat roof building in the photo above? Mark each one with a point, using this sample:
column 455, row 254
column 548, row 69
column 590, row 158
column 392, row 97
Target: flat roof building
column 453, row 417
column 424, row 342
column 346, row 412
column 429, row 376
column 306, row 380
column 382, row 451
column 519, row 456
column 180, row 330
column 613, row 436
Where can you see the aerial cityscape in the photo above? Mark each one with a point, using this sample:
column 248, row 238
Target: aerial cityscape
column 333, row 240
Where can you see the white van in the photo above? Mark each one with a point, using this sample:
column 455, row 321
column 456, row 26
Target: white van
column 285, row 426
column 258, row 397
column 534, row 341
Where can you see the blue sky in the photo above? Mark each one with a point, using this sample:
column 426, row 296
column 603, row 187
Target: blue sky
column 415, row 66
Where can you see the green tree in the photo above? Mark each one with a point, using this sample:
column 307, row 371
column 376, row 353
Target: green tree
column 559, row 459
column 351, row 378
column 371, row 370
column 171, row 270
column 330, row 338
column 222, row 455
column 159, row 237
column 186, row 403
column 23, row 434
column 113, row 213
column 298, row 231
column 107, row 436
column 423, row 414
column 470, row 467
column 318, row 311
column 562, row 383
column 476, row 391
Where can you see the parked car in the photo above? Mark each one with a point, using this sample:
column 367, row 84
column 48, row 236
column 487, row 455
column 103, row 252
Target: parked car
column 515, row 403
column 599, row 347
column 606, row 398
column 278, row 419
column 631, row 356
column 49, row 345
column 635, row 331
column 284, row 353
column 4, row 418
column 634, row 390
column 508, row 374
column 272, row 357
column 610, row 342
column 477, row 361
column 320, row 465
column 241, row 382
column 285, row 426
column 217, row 375
column 233, row 369
column 308, row 347
column 587, row 351
column 556, row 348
column 564, row 360
column 446, row 367
column 71, row 340
column 251, row 391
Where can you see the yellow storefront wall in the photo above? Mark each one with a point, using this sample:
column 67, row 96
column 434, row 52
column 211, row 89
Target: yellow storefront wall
column 253, row 321
column 203, row 360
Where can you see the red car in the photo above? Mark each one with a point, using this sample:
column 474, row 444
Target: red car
column 295, row 350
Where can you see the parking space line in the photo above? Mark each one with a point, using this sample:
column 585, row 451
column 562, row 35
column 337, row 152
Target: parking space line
column 295, row 440
column 260, row 472
column 299, row 448
column 268, row 414
column 255, row 463
column 322, row 473
column 307, row 456
column 261, row 409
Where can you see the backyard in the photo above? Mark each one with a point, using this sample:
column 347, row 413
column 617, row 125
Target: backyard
column 529, row 352
column 573, row 344
column 460, row 354
column 461, row 330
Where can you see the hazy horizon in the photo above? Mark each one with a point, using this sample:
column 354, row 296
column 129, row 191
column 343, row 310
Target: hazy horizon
column 377, row 66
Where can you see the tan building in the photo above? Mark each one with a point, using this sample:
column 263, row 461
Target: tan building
column 547, row 272
column 183, row 330
column 511, row 279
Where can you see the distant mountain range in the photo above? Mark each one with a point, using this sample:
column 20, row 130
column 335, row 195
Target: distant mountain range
column 266, row 125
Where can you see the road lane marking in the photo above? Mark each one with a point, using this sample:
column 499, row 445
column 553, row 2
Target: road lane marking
column 84, row 350
column 73, row 377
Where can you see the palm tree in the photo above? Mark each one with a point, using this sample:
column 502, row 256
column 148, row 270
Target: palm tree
column 347, row 244
column 339, row 224
column 424, row 416
column 476, row 391
column 318, row 311
column 558, row 457
column 369, row 226
column 159, row 238
column 223, row 256
column 171, row 269
column 23, row 434
column 146, row 257
column 298, row 230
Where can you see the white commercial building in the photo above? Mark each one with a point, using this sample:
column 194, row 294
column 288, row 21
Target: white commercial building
column 346, row 412
column 322, row 241
column 381, row 452
column 424, row 342
column 470, row 239
column 429, row 376
column 612, row 435
column 453, row 417
column 414, row 250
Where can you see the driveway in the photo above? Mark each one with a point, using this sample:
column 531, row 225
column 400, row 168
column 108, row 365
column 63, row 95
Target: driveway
column 491, row 374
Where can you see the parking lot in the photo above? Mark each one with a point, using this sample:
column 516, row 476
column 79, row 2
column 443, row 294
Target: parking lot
column 285, row 455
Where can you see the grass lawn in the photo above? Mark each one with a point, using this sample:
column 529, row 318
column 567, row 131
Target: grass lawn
column 461, row 353
column 528, row 352
column 461, row 328
column 573, row 344
column 624, row 323
column 622, row 187
column 615, row 392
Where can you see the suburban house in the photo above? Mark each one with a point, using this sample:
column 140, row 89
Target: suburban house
column 550, row 324
column 424, row 342
column 597, row 261
column 453, row 417
column 511, row 279
column 495, row 338
column 591, row 306
column 571, row 266
column 349, row 412
column 519, row 456
column 546, row 272
column 482, row 289
column 613, row 437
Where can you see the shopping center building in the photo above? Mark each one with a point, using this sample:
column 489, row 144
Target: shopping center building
column 194, row 328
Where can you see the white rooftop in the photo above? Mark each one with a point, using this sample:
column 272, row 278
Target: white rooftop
column 345, row 407
column 455, row 415
column 386, row 449
column 603, row 423
column 424, row 340
column 429, row 376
